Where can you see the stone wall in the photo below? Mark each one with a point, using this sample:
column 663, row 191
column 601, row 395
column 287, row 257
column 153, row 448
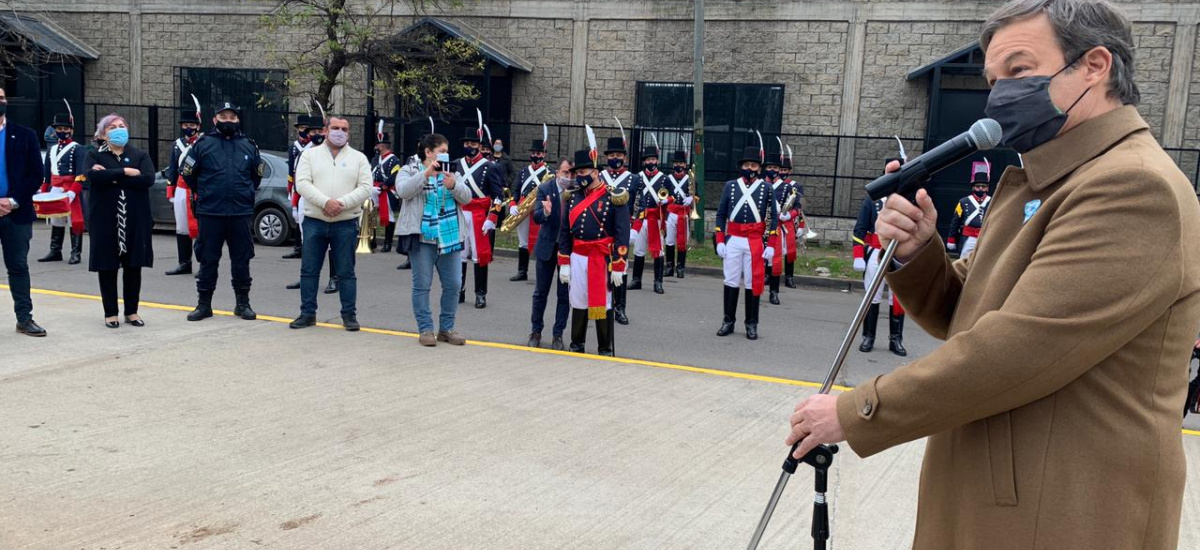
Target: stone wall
column 1152, row 69
column 1191, row 134
column 107, row 80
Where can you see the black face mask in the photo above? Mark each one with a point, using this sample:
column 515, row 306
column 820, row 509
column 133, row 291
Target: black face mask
column 980, row 194
column 3, row 108
column 651, row 166
column 749, row 174
column 317, row 139
column 680, row 169
column 189, row 132
column 772, row 174
column 537, row 159
column 228, row 129
column 470, row 152
column 1027, row 115
column 616, row 164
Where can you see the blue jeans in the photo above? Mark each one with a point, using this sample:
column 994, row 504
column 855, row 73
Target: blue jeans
column 339, row 240
column 424, row 258
column 14, row 239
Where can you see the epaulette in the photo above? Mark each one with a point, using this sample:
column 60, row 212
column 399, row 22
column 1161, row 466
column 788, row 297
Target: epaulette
column 620, row 197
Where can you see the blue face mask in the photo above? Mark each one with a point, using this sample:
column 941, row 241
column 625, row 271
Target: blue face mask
column 772, row 174
column 584, row 181
column 118, row 136
column 443, row 157
column 616, row 164
column 189, row 132
column 62, row 136
column 749, row 174
column 470, row 152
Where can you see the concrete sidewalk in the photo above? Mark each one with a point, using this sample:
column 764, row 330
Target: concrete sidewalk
column 236, row 434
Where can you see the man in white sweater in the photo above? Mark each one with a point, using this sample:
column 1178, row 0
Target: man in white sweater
column 335, row 180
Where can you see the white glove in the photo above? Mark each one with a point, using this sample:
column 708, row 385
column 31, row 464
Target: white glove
column 664, row 201
column 721, row 250
column 785, row 216
column 513, row 210
column 488, row 225
column 950, row 247
column 768, row 253
column 71, row 196
column 860, row 264
column 618, row 278
column 687, row 201
column 375, row 192
column 564, row 274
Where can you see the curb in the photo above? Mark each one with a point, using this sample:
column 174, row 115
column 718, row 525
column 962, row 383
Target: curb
column 807, row 281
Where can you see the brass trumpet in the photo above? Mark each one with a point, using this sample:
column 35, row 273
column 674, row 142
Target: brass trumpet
column 366, row 227
column 525, row 207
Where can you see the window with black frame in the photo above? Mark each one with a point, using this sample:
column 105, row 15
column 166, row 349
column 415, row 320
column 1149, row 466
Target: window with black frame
column 732, row 112
column 261, row 94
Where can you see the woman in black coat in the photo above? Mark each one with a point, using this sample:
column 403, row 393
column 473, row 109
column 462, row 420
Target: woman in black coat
column 119, row 220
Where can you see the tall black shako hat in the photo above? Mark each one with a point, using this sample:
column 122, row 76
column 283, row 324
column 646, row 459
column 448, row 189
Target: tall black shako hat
column 615, row 145
column 583, row 159
column 751, row 154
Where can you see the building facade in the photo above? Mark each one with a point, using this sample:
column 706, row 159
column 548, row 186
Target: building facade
column 808, row 70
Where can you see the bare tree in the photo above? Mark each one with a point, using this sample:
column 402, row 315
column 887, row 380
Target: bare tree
column 16, row 51
column 425, row 70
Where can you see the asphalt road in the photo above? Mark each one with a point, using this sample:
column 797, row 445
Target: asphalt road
column 797, row 340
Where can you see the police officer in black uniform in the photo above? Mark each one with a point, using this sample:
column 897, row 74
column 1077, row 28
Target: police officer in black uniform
column 224, row 170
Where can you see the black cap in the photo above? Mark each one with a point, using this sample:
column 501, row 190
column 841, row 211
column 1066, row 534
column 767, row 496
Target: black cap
column 472, row 134
column 227, row 106
column 751, row 154
column 537, row 146
column 679, row 156
column 649, row 152
column 615, row 145
column 583, row 159
column 383, row 138
column 63, row 119
column 774, row 159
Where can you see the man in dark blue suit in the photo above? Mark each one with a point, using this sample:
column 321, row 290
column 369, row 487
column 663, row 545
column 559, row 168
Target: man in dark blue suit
column 548, row 215
column 20, row 177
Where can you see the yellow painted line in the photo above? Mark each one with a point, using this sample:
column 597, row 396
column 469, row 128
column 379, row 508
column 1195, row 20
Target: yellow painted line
column 498, row 345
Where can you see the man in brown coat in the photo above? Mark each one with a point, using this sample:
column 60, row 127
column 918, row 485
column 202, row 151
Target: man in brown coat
column 1052, row 409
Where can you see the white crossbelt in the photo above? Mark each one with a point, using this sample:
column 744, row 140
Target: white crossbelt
column 469, row 177
column 183, row 151
column 978, row 209
column 747, row 199
column 535, row 177
column 56, row 155
column 650, row 184
column 617, row 182
column 678, row 185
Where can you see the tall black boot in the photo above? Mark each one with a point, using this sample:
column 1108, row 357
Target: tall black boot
column 183, row 245
column 670, row 254
column 522, row 265
column 481, row 276
column 658, row 274
column 203, row 307
column 242, row 305
column 604, row 341
column 896, row 333
column 752, row 302
column 639, row 266
column 76, row 249
column 297, row 248
column 680, row 262
column 389, row 235
column 619, row 294
column 773, row 283
column 579, row 325
column 868, row 329
column 462, row 289
column 56, row 243
column 731, row 300
column 789, row 274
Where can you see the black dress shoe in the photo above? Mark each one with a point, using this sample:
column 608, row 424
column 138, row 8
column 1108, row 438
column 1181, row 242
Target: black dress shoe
column 868, row 344
column 679, row 272
column 789, row 282
column 896, row 346
column 535, row 340
column 751, row 332
column 726, row 328
column 406, row 265
column 658, row 288
column 622, row 319
column 200, row 313
column 53, row 256
column 303, row 321
column 480, row 301
column 520, row 276
column 293, row 286
column 112, row 324
column 137, row 323
column 181, row 269
column 31, row 328
column 773, row 297
column 293, row 255
column 557, row 343
column 636, row 284
column 350, row 322
column 462, row 297
column 332, row 287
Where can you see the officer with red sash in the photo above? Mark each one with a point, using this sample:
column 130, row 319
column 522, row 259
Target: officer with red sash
column 867, row 251
column 186, row 228
column 487, row 188
column 746, row 239
column 679, row 211
column 63, row 166
column 592, row 249
column 971, row 209
column 649, row 219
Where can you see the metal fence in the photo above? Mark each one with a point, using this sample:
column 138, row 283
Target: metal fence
column 833, row 168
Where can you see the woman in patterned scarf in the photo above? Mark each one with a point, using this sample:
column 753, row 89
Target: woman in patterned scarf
column 119, row 222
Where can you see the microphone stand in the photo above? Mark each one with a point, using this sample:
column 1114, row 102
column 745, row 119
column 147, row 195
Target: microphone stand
column 821, row 457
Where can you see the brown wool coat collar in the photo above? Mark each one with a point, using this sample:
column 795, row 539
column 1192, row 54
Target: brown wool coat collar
column 1049, row 163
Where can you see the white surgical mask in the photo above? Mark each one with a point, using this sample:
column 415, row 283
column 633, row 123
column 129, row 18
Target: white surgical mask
column 339, row 137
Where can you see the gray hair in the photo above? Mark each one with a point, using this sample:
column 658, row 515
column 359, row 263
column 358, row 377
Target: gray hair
column 1079, row 25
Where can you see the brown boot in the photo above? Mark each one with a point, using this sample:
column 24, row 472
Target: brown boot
column 427, row 339
column 451, row 337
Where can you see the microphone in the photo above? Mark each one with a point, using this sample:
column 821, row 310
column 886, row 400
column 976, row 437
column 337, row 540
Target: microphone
column 983, row 135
